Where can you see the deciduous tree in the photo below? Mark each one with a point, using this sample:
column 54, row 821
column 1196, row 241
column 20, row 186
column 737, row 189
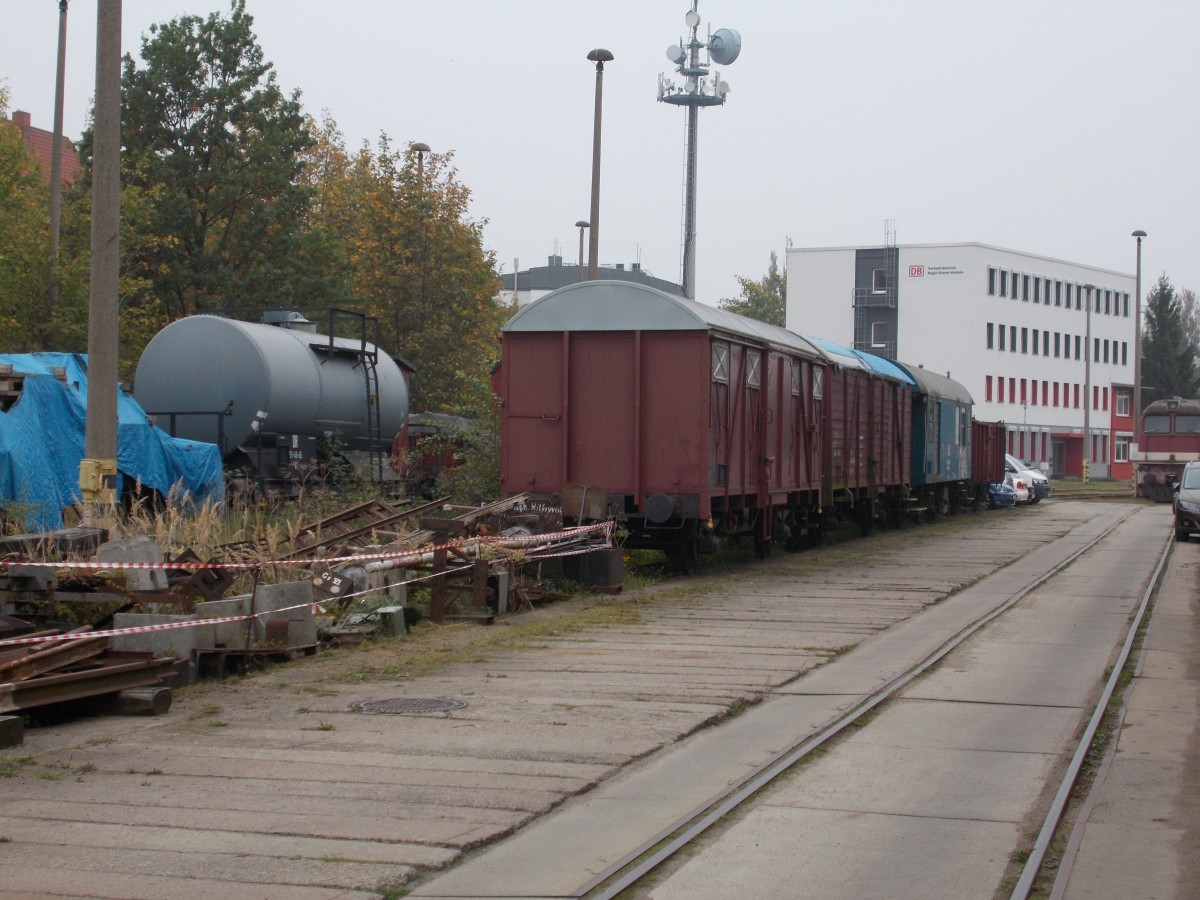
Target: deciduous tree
column 765, row 299
column 24, row 242
column 209, row 135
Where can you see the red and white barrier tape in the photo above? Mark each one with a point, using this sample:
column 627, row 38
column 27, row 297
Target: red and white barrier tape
column 565, row 534
column 144, row 629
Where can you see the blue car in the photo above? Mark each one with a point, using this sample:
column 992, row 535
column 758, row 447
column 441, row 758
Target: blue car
column 1001, row 495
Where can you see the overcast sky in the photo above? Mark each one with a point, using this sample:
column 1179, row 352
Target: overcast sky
column 1054, row 127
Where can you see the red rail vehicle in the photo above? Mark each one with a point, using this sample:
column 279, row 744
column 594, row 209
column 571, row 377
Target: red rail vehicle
column 1170, row 438
column 686, row 422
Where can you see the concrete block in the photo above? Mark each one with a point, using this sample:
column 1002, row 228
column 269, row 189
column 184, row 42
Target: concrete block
column 136, row 549
column 301, row 628
column 176, row 642
column 12, row 731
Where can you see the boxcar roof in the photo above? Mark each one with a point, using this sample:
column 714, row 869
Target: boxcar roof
column 940, row 386
column 626, row 306
column 839, row 355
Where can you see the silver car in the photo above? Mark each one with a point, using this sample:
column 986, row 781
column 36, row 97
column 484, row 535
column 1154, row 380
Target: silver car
column 1016, row 469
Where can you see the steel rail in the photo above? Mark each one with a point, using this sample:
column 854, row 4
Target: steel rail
column 638, row 863
column 1037, row 855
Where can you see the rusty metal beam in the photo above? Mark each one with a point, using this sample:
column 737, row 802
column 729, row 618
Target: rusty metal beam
column 50, row 657
column 106, row 679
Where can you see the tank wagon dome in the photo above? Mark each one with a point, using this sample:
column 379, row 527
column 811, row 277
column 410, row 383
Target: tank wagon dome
column 940, row 386
column 627, row 306
column 205, row 364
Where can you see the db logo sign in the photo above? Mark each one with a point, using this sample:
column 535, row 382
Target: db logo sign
column 916, row 271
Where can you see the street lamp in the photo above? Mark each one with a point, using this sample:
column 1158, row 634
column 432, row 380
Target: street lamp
column 599, row 56
column 1087, row 387
column 581, row 225
column 420, row 149
column 1137, row 356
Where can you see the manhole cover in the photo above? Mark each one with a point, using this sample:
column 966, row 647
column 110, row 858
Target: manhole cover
column 399, row 706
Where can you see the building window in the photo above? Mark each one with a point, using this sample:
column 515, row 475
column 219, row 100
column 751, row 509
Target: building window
column 1056, row 393
column 1068, row 295
column 1045, row 393
column 1024, row 340
column 879, row 334
column 1121, row 448
column 1024, row 287
column 1058, row 293
column 1077, row 349
column 991, row 329
column 1012, row 390
column 1035, row 342
column 1002, row 330
column 1037, row 289
column 991, row 282
column 1126, row 305
column 1057, row 344
column 1095, row 396
column 1121, row 399
column 1023, row 396
column 1124, row 353
column 1104, row 399
column 1003, row 282
column 987, row 388
column 1106, row 349
column 1076, row 386
column 879, row 281
column 1108, row 302
column 1012, row 338
column 1000, row 389
column 1045, row 343
column 1095, row 349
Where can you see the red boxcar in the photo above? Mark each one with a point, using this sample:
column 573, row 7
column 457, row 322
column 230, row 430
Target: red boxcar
column 680, row 419
column 869, row 456
column 988, row 447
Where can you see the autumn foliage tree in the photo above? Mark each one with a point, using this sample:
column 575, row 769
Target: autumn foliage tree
column 24, row 242
column 416, row 262
column 765, row 299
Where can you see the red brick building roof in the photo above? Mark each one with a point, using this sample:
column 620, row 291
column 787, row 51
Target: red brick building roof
column 41, row 143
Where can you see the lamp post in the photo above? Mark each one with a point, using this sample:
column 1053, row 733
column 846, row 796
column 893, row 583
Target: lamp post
column 1137, row 360
column 599, row 56
column 56, row 172
column 421, row 149
column 581, row 225
column 1087, row 387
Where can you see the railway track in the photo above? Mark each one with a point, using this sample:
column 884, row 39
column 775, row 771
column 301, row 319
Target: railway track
column 641, row 862
column 776, row 825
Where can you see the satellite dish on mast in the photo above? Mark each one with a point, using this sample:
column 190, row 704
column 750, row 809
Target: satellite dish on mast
column 724, row 46
column 676, row 55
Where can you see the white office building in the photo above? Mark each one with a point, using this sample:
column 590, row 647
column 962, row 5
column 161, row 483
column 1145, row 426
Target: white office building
column 1012, row 327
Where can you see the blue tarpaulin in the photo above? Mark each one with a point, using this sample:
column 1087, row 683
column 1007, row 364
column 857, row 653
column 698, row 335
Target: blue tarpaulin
column 42, row 444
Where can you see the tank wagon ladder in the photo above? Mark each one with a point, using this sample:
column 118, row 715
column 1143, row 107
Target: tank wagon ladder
column 368, row 356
